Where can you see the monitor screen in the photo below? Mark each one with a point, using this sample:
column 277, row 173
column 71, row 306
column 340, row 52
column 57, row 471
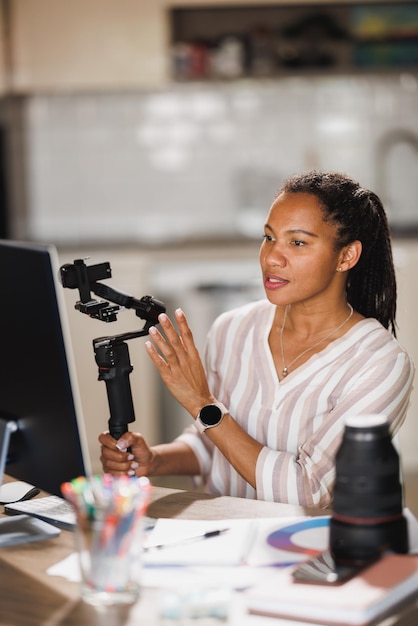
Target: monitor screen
column 38, row 386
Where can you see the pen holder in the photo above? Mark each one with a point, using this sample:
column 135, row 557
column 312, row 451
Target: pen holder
column 109, row 513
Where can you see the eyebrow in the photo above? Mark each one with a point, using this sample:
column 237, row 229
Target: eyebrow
column 294, row 231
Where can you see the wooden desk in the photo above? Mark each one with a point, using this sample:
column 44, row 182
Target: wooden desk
column 29, row 597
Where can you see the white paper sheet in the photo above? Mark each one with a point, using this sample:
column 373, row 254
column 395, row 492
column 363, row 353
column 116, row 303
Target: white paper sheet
column 249, row 538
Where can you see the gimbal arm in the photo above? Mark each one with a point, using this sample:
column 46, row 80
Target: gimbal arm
column 147, row 307
column 111, row 353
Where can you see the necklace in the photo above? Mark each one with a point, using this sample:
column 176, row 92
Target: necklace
column 285, row 369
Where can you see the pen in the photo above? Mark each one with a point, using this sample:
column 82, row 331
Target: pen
column 207, row 535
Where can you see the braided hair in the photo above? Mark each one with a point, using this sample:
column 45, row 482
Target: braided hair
column 359, row 215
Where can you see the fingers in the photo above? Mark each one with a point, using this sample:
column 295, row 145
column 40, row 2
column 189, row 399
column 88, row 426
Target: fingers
column 174, row 346
column 184, row 328
column 157, row 359
column 178, row 361
column 126, row 440
column 117, row 462
column 115, row 458
column 167, row 347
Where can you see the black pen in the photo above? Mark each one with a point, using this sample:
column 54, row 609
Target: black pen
column 207, row 535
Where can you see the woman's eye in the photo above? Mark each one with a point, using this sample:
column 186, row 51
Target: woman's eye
column 298, row 243
column 268, row 238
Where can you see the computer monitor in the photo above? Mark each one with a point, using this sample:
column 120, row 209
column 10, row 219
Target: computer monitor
column 38, row 384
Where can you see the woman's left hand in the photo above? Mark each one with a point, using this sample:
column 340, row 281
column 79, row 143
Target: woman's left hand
column 179, row 364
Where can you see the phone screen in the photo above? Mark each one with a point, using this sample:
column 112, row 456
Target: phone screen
column 324, row 570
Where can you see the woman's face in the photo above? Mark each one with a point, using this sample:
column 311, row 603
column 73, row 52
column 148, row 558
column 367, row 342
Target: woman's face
column 298, row 257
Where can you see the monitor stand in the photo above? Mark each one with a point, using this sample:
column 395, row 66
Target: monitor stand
column 15, row 490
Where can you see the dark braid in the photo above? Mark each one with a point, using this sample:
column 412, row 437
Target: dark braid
column 358, row 215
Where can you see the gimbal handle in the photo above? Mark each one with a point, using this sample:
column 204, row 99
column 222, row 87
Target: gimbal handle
column 112, row 358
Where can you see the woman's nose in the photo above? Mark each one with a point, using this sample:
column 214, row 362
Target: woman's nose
column 275, row 257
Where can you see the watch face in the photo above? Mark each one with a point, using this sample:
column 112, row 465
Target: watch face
column 210, row 415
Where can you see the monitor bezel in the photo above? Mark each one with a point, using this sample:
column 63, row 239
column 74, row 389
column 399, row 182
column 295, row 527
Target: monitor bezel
column 50, row 252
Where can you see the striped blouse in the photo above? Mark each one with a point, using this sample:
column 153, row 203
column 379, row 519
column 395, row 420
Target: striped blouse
column 300, row 419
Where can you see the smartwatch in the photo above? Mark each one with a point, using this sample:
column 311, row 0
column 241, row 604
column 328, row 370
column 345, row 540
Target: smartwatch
column 210, row 416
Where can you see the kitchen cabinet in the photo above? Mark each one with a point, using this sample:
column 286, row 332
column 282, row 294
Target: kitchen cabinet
column 95, row 45
column 87, row 44
column 264, row 40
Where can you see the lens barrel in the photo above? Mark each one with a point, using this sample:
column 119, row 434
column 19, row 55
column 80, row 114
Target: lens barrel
column 367, row 517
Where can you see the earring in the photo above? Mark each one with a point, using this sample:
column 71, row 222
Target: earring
column 340, row 269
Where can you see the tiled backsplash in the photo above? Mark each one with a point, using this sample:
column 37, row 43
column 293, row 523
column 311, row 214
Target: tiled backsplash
column 207, row 159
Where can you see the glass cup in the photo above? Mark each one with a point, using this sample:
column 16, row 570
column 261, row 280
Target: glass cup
column 108, row 535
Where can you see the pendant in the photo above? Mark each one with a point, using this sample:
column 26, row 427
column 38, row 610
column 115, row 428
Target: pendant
column 285, row 372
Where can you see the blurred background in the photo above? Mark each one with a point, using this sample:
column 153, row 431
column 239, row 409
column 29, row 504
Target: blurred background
column 154, row 134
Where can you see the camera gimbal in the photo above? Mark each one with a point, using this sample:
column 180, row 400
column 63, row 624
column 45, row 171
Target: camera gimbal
column 111, row 353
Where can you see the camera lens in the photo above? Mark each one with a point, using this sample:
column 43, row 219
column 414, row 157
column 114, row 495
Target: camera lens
column 367, row 517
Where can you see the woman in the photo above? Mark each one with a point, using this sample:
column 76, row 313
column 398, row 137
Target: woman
column 290, row 368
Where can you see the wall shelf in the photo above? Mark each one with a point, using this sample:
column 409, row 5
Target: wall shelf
column 232, row 42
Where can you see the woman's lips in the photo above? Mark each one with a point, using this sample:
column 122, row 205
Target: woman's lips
column 274, row 282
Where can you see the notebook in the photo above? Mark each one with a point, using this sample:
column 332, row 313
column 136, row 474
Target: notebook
column 365, row 597
column 199, row 542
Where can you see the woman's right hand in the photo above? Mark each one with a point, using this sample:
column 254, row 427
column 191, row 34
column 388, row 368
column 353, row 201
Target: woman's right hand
column 128, row 455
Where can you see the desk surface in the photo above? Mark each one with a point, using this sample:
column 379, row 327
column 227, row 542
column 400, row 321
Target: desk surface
column 29, row 597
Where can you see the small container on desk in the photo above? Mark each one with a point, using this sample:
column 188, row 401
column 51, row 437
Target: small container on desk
column 109, row 512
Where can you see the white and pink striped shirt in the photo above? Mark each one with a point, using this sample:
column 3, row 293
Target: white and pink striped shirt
column 299, row 420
